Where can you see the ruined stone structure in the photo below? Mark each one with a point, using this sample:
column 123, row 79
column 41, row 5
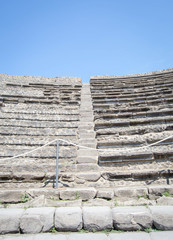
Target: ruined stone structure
column 35, row 111
column 109, row 121
column 107, row 132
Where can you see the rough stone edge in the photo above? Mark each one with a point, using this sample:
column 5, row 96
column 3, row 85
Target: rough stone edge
column 103, row 77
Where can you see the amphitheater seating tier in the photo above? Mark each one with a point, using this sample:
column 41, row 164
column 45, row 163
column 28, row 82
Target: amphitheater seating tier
column 131, row 112
column 35, row 111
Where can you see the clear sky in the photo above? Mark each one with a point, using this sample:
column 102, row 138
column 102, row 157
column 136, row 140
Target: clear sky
column 83, row 38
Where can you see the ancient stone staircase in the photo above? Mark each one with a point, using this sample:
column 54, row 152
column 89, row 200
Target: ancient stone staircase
column 87, row 160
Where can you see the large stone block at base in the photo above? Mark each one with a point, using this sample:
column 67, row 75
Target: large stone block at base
column 162, row 217
column 68, row 219
column 131, row 218
column 36, row 220
column 97, row 218
column 9, row 220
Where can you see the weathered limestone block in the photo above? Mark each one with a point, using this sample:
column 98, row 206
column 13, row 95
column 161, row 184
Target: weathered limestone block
column 68, row 177
column 48, row 193
column 29, row 174
column 162, row 217
column 165, row 201
column 135, row 202
column 159, row 190
column 87, row 152
column 131, row 218
column 98, row 202
column 105, row 193
column 89, row 176
column 87, row 167
column 9, row 220
column 57, row 203
column 83, row 193
column 87, row 159
column 11, row 196
column 35, row 220
column 36, row 202
column 68, row 219
column 130, row 192
column 31, row 224
column 97, row 218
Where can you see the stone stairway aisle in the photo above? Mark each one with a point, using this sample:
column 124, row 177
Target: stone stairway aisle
column 87, row 159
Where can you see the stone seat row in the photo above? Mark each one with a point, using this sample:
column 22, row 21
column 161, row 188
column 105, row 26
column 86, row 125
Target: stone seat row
column 40, row 117
column 136, row 140
column 132, row 113
column 130, row 95
column 161, row 103
column 133, row 130
column 41, row 110
column 112, row 121
column 130, row 90
column 125, row 156
column 125, row 98
column 38, row 124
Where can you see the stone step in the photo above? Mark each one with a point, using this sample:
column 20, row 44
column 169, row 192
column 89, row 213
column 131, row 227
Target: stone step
column 86, row 134
column 86, row 114
column 87, row 141
column 87, row 152
column 86, row 119
column 87, row 159
column 90, row 144
column 86, row 126
column 87, row 167
column 88, row 108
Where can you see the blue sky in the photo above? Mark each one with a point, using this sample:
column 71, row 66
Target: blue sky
column 84, row 38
